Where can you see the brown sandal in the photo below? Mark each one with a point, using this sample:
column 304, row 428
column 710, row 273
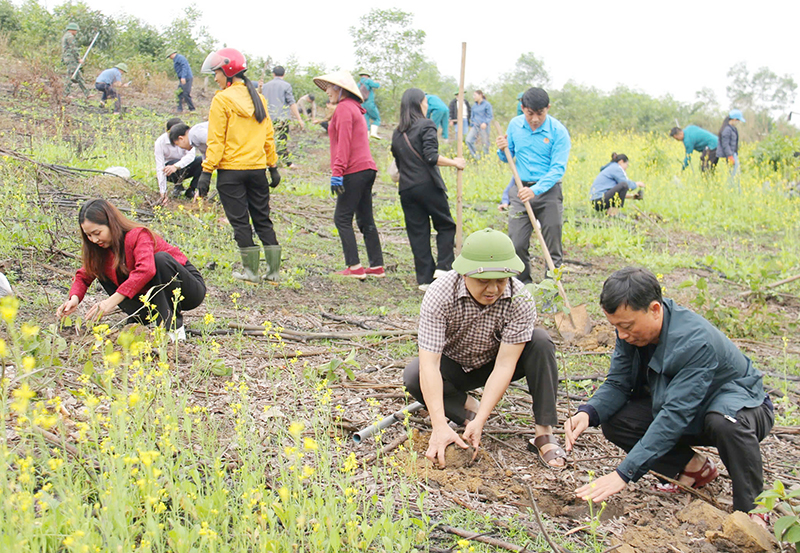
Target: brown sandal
column 535, row 445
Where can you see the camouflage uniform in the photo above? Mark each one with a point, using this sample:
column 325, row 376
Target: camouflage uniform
column 71, row 59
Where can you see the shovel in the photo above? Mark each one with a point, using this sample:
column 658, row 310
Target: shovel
column 575, row 323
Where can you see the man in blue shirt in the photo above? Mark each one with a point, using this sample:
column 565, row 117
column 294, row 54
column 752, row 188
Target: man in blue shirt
column 675, row 382
column 696, row 139
column 185, row 76
column 107, row 80
column 438, row 112
column 540, row 146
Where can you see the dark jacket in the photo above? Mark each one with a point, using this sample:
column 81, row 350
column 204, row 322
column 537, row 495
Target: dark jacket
column 453, row 107
column 182, row 68
column 728, row 141
column 694, row 370
column 413, row 170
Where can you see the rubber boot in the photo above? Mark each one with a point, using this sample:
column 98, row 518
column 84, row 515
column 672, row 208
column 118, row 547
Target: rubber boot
column 273, row 256
column 374, row 132
column 251, row 257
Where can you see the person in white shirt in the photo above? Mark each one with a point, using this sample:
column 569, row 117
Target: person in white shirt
column 174, row 164
column 187, row 138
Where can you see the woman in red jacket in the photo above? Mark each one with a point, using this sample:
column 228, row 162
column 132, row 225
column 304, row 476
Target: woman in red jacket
column 352, row 174
column 130, row 260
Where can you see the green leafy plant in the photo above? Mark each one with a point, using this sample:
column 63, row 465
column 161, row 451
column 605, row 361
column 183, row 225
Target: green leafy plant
column 787, row 528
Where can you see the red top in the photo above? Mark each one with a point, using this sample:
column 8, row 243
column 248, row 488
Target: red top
column 349, row 140
column 140, row 253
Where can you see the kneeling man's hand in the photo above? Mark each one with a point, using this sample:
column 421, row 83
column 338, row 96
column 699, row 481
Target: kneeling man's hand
column 603, row 487
column 441, row 437
column 473, row 433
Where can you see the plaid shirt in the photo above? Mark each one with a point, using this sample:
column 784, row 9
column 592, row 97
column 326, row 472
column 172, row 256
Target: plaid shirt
column 455, row 325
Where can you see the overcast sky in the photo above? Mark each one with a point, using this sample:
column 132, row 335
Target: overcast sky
column 671, row 47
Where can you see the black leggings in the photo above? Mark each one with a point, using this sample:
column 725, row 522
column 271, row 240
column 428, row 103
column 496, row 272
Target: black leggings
column 245, row 196
column 170, row 275
column 357, row 199
column 423, row 205
column 612, row 198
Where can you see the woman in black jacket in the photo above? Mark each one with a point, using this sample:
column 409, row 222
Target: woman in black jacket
column 423, row 195
column 728, row 146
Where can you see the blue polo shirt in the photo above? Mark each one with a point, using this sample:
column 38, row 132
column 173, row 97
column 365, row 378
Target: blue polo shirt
column 541, row 155
column 181, row 66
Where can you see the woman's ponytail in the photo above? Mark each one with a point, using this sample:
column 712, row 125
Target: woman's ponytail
column 260, row 112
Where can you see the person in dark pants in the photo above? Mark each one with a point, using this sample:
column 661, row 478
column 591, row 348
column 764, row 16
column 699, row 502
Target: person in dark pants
column 477, row 328
column 185, row 78
column 675, row 382
column 610, row 187
column 352, row 174
column 540, row 145
column 107, row 80
column 240, row 147
column 281, row 106
column 130, row 261
column 423, row 194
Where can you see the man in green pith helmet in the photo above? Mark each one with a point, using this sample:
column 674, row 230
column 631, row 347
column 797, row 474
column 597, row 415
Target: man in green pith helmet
column 477, row 329
column 72, row 59
column 366, row 86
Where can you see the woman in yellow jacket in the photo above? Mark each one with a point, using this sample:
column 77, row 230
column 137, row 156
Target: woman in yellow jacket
column 241, row 146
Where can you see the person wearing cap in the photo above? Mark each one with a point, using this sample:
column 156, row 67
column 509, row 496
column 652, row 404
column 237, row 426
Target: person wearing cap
column 281, row 104
column 480, row 119
column 675, row 382
column 367, row 88
column 540, row 146
column 465, row 114
column 477, row 329
column 71, row 58
column 107, row 80
column 184, row 73
column 241, row 149
column 352, row 174
column 174, row 164
column 438, row 113
column 696, row 139
column 728, row 147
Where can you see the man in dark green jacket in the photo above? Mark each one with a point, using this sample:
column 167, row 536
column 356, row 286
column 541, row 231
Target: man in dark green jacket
column 675, row 381
column 72, row 59
column 700, row 140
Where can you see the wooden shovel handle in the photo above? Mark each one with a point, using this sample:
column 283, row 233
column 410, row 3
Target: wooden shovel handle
column 534, row 222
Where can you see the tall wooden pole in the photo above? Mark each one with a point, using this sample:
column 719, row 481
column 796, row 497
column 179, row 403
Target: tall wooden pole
column 460, row 153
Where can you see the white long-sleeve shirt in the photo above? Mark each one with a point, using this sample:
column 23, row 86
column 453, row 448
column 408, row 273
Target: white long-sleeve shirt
column 164, row 152
column 198, row 137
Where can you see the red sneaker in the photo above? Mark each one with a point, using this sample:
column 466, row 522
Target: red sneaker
column 377, row 272
column 359, row 273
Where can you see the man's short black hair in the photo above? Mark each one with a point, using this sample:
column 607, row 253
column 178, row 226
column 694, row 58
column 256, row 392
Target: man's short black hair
column 172, row 122
column 632, row 286
column 535, row 98
column 177, row 131
column 674, row 131
column 311, row 97
column 279, row 71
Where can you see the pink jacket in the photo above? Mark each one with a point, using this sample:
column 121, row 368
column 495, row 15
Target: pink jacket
column 349, row 140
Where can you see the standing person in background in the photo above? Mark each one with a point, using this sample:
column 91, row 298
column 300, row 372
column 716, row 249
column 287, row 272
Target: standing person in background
column 728, row 146
column 480, row 119
column 466, row 112
column 352, row 174
column 307, row 106
column 423, row 194
column 540, row 145
column 184, row 72
column 281, row 104
column 174, row 164
column 130, row 260
column 240, row 147
column 696, row 139
column 71, row 58
column 611, row 186
column 187, row 138
column 107, row 80
column 366, row 87
column 438, row 113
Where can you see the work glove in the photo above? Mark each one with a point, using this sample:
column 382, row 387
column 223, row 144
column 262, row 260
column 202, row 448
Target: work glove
column 274, row 177
column 203, row 184
column 337, row 185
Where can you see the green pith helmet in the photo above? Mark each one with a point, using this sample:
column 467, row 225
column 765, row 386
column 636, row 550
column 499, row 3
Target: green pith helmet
column 364, row 73
column 171, row 51
column 488, row 254
column 73, row 26
column 122, row 66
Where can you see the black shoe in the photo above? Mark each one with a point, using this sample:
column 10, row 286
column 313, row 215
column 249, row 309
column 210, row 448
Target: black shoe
column 177, row 191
